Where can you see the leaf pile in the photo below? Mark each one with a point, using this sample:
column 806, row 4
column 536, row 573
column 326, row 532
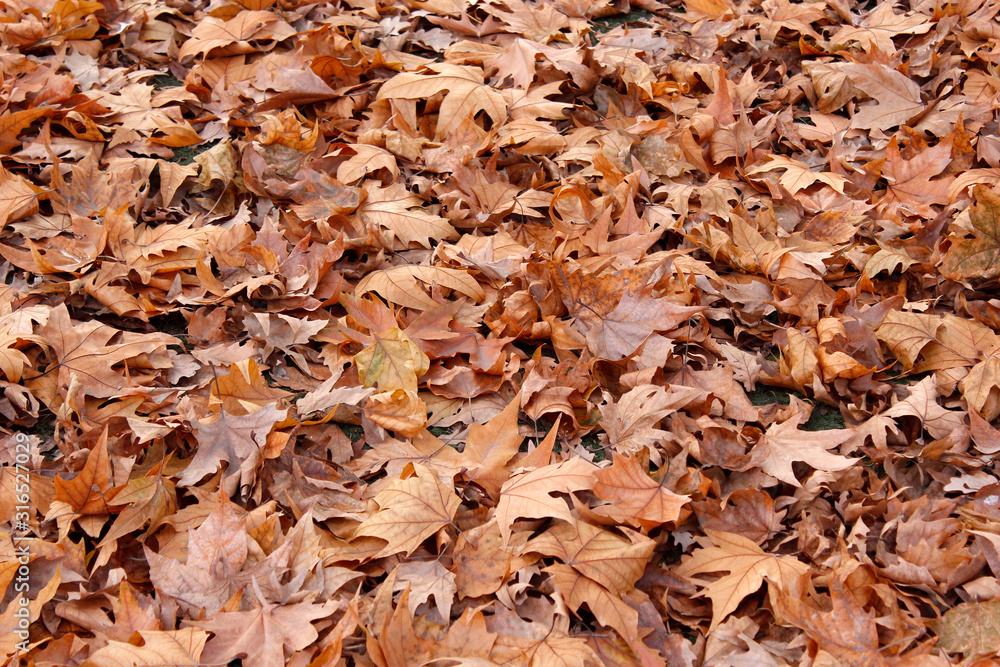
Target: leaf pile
column 384, row 334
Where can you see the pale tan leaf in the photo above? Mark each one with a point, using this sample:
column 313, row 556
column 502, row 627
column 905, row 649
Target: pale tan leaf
column 410, row 511
column 746, row 565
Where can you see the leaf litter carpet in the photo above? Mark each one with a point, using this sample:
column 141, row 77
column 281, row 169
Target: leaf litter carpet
column 442, row 333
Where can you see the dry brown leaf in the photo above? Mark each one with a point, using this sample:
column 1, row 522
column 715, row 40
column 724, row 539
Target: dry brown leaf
column 412, row 509
column 529, row 495
column 784, row 444
column 635, row 497
column 746, row 565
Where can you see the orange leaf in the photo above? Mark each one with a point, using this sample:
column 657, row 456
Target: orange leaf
column 638, row 499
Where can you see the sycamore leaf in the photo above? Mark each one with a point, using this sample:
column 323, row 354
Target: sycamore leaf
column 159, row 647
column 971, row 628
column 398, row 216
column 889, row 260
column 978, row 257
column 529, row 495
column 236, row 34
column 631, row 422
column 216, row 551
column 922, row 404
column 981, row 388
column 143, row 500
column 426, row 580
column 243, row 389
column 98, row 356
column 399, row 410
column 746, row 565
column 238, row 440
column 896, row 96
column 466, row 96
column 614, row 562
column 392, row 361
column 607, row 606
column 18, row 197
column 636, row 498
column 490, row 446
column 404, row 285
column 410, row 511
column 916, row 184
column 783, row 444
column 797, row 175
column 262, row 635
column 847, row 632
column 624, row 329
column 481, row 563
column 87, row 492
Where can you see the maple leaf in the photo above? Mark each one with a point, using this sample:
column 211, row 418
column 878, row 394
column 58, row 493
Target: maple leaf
column 87, row 492
column 978, row 257
column 897, row 97
column 399, row 410
column 244, row 390
column 797, row 175
column 425, row 580
column 411, row 509
column 466, row 96
column 624, row 329
column 402, row 285
column 631, row 422
column 913, row 183
column 922, row 404
column 18, row 197
column 234, row 36
column 747, row 566
column 607, row 607
column 143, row 500
column 216, row 552
column 971, row 628
column 89, row 352
column 490, row 446
column 399, row 216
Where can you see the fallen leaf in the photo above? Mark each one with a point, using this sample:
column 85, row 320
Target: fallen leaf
column 746, row 565
column 410, row 510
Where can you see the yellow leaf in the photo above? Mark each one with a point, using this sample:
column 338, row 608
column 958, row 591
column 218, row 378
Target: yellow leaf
column 392, row 361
